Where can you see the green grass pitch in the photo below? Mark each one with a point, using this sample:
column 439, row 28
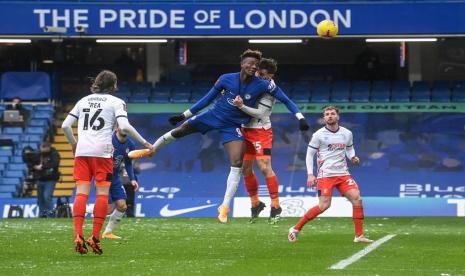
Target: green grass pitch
column 422, row 246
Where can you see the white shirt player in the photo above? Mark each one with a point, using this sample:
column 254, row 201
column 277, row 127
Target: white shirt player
column 265, row 106
column 332, row 149
column 96, row 115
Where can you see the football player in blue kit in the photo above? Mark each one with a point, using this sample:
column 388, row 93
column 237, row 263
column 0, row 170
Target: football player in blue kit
column 225, row 117
column 122, row 145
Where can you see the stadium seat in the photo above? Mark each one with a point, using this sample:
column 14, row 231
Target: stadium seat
column 2, row 167
column 139, row 99
column 11, row 181
column 458, row 96
column 120, row 94
column 420, row 92
column 6, row 152
column 19, row 174
column 18, row 159
column 31, row 138
column 160, row 98
column 4, row 159
column 441, row 91
column 7, row 188
column 45, row 107
column 35, row 130
column 180, row 97
column 12, row 130
column 38, row 122
column 300, row 95
column 400, row 96
column 5, row 195
column 321, row 92
column 17, row 167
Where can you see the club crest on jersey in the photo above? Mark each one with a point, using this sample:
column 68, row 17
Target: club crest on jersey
column 271, row 86
column 247, row 96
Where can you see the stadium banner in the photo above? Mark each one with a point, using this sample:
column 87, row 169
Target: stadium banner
column 230, row 19
column 292, row 207
column 317, row 108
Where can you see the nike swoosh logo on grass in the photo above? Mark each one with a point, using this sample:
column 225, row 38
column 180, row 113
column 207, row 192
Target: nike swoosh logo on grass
column 165, row 212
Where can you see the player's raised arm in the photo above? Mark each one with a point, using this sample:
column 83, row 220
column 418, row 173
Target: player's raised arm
column 280, row 95
column 67, row 124
column 258, row 112
column 201, row 104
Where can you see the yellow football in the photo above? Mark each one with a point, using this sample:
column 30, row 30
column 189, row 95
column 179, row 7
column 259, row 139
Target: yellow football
column 327, row 28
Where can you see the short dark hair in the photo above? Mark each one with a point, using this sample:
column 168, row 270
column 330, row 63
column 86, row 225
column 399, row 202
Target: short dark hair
column 251, row 54
column 331, row 107
column 269, row 65
column 104, row 82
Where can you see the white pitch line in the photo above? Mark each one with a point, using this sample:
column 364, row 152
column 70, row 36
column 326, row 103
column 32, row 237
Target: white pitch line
column 357, row 256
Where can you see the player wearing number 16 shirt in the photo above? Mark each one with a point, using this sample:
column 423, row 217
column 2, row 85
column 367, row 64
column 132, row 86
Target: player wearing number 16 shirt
column 97, row 115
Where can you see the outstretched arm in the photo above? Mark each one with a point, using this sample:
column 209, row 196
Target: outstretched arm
column 280, row 95
column 201, row 104
column 258, row 112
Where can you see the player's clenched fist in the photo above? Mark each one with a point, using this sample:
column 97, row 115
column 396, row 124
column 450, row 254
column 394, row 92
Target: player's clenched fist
column 174, row 120
column 355, row 160
column 311, row 180
column 238, row 101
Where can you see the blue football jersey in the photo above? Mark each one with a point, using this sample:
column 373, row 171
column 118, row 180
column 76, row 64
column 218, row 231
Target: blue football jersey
column 120, row 155
column 228, row 87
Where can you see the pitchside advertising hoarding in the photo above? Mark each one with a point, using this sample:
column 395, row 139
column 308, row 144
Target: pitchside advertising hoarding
column 413, row 164
column 232, row 19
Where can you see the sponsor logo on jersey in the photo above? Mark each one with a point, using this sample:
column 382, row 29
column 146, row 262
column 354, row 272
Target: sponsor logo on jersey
column 333, row 147
column 247, row 96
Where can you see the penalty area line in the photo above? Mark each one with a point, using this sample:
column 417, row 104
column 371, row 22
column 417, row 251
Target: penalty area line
column 357, row 256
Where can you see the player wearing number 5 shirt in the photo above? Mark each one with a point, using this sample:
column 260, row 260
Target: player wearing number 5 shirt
column 332, row 144
column 96, row 115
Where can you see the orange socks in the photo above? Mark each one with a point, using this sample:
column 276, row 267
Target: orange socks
column 251, row 184
column 311, row 214
column 357, row 216
column 100, row 213
column 272, row 184
column 79, row 212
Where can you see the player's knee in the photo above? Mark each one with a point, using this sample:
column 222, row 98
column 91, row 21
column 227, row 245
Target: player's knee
column 122, row 207
column 324, row 205
column 236, row 163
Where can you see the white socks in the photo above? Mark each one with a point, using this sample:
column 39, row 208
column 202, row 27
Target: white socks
column 115, row 218
column 234, row 178
column 164, row 140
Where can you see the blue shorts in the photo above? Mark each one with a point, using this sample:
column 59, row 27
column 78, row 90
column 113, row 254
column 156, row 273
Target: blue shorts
column 206, row 121
column 117, row 191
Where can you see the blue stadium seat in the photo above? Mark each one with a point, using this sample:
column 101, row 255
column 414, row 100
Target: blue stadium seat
column 35, row 130
column 340, row 92
column 160, row 97
column 2, row 167
column 195, row 97
column 19, row 159
column 180, row 97
column 139, row 99
column 38, row 122
column 380, row 96
column 5, row 195
column 6, row 152
column 45, row 107
column 360, row 91
column 14, row 137
column 402, row 86
column 301, row 94
column 381, row 88
column 7, row 188
column 421, row 91
column 18, row 174
column 11, row 181
column 458, row 95
column 398, row 96
column 120, row 94
column 17, row 167
column 142, row 93
column 320, row 98
column 4, row 159
column 12, row 130
column 441, row 91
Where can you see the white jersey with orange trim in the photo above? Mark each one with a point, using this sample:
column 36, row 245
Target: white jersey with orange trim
column 96, row 115
column 332, row 149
